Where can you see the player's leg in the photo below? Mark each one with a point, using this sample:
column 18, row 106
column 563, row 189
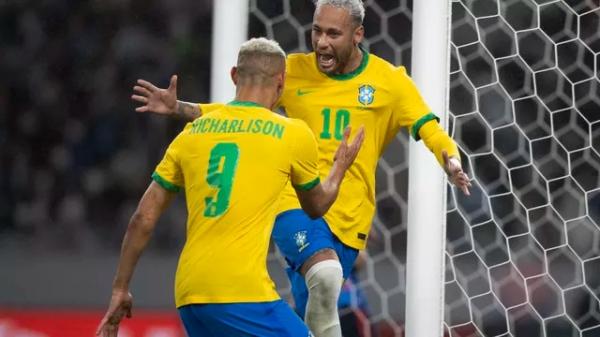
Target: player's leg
column 315, row 272
column 268, row 319
column 288, row 322
column 192, row 323
column 325, row 318
column 324, row 278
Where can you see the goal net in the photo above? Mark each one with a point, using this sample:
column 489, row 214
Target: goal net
column 523, row 251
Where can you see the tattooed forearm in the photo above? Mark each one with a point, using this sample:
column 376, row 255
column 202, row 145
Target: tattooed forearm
column 187, row 111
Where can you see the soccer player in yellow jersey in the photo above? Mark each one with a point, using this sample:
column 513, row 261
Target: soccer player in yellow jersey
column 339, row 84
column 233, row 164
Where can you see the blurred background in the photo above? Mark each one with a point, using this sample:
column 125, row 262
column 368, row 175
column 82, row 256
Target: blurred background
column 522, row 253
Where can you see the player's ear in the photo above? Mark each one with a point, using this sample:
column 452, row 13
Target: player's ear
column 281, row 78
column 234, row 75
column 359, row 34
column 280, row 83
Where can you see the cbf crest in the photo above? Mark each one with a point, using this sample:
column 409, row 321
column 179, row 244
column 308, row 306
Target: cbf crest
column 366, row 94
column 300, row 238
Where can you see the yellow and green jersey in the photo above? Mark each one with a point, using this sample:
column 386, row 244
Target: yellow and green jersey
column 376, row 95
column 379, row 96
column 233, row 164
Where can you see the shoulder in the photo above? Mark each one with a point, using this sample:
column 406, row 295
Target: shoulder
column 288, row 123
column 384, row 67
column 396, row 78
column 187, row 130
column 207, row 108
column 181, row 139
column 299, row 128
column 298, row 62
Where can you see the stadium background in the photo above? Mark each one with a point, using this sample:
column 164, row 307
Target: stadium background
column 523, row 252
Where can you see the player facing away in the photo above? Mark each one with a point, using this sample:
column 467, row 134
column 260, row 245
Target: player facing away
column 233, row 164
column 339, row 84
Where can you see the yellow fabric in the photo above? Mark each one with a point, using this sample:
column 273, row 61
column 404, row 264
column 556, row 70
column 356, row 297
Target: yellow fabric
column 225, row 254
column 319, row 99
column 437, row 140
column 325, row 103
column 208, row 107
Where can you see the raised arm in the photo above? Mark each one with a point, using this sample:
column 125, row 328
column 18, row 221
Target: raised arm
column 140, row 228
column 317, row 200
column 164, row 101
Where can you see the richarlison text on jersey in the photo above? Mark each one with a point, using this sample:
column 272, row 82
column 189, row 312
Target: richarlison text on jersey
column 257, row 126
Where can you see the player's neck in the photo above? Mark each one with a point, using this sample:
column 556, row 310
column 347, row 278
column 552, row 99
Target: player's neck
column 264, row 96
column 355, row 61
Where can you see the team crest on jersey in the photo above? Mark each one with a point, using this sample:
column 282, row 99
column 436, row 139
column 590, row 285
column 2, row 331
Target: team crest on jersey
column 300, row 238
column 366, row 94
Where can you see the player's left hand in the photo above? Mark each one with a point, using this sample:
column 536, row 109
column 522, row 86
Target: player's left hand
column 455, row 173
column 120, row 306
column 346, row 153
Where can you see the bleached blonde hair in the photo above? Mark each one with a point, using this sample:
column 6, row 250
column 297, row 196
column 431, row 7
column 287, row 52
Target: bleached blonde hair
column 356, row 8
column 259, row 59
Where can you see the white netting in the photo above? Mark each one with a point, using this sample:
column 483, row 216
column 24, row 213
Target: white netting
column 523, row 252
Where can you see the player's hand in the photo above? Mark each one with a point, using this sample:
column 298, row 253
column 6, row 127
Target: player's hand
column 120, row 306
column 154, row 99
column 346, row 154
column 455, row 173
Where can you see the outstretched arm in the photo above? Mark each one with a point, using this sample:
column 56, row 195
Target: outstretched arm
column 317, row 201
column 140, row 228
column 163, row 101
column 446, row 152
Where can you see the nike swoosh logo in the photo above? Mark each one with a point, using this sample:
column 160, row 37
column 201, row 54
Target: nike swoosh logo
column 301, row 92
column 302, row 248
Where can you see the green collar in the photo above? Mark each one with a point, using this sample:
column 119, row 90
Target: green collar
column 245, row 103
column 355, row 72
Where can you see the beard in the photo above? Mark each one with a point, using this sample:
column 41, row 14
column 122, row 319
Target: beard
column 333, row 62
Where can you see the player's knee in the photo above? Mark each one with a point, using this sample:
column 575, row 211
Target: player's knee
column 324, row 281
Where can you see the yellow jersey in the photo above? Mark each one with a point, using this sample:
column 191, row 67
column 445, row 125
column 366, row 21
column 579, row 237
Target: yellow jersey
column 379, row 96
column 233, row 164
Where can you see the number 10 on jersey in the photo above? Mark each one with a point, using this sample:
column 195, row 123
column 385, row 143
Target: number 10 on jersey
column 342, row 119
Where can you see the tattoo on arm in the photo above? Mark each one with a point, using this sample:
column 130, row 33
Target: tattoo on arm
column 187, row 111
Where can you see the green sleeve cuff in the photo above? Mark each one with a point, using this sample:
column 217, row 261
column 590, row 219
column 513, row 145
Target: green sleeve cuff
column 420, row 122
column 309, row 185
column 165, row 184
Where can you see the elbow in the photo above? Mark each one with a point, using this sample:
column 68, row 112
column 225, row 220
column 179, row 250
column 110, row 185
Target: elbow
column 315, row 213
column 323, row 204
column 321, row 209
column 141, row 224
column 316, row 203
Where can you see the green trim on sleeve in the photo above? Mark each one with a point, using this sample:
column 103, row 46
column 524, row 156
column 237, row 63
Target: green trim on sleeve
column 309, row 185
column 420, row 122
column 165, row 184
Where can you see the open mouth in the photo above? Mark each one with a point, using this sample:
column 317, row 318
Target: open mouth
column 326, row 61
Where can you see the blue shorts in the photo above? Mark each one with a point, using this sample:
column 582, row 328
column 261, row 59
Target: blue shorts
column 299, row 237
column 270, row 319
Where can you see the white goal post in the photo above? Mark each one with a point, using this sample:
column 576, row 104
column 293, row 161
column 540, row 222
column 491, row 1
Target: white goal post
column 522, row 252
column 426, row 213
column 426, row 182
column 230, row 30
